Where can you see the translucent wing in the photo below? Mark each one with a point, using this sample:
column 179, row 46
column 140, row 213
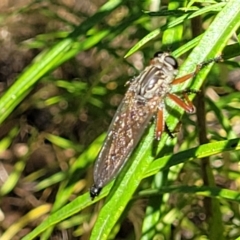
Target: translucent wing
column 124, row 133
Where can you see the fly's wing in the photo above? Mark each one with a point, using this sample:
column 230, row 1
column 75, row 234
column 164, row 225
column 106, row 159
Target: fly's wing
column 124, row 133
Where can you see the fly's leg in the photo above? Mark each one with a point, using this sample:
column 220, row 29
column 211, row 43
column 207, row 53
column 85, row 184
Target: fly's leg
column 183, row 78
column 160, row 124
column 187, row 105
column 198, row 68
column 205, row 63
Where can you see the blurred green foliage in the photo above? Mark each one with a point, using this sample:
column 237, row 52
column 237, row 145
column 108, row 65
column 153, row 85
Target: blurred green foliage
column 64, row 66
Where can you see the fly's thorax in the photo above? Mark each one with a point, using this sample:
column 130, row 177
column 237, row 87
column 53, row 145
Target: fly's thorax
column 156, row 79
column 153, row 81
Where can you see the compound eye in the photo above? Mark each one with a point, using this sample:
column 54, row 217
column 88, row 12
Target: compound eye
column 172, row 61
column 158, row 54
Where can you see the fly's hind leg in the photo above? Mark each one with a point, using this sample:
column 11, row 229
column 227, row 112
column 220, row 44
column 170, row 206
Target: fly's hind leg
column 186, row 104
column 160, row 123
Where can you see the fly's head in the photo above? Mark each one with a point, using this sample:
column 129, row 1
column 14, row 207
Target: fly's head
column 167, row 63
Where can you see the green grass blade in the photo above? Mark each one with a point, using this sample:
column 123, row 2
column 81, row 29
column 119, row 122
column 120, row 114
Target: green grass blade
column 205, row 150
column 172, row 24
column 205, row 191
column 48, row 61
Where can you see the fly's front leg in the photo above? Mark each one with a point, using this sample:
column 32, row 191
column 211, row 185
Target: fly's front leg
column 183, row 78
column 188, row 76
column 198, row 68
column 205, row 63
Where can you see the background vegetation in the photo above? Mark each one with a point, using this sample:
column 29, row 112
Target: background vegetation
column 63, row 68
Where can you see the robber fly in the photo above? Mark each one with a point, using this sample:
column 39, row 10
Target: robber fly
column 144, row 98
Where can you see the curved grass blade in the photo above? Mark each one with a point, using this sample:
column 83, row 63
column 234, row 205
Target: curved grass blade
column 174, row 23
column 205, row 191
column 205, row 150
